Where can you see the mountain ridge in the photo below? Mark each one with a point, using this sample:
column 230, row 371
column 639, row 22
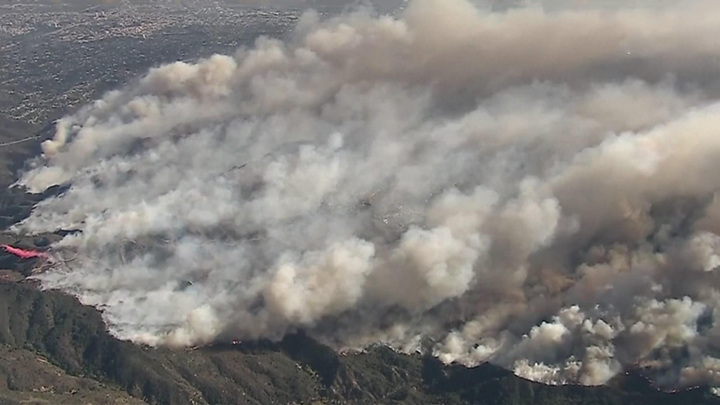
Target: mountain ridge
column 74, row 341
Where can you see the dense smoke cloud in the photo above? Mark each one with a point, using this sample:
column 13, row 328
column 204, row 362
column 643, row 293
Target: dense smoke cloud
column 529, row 187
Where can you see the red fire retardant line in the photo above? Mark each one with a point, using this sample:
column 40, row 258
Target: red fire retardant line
column 24, row 253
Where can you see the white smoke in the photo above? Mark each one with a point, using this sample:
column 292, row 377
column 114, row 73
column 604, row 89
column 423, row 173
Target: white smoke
column 529, row 187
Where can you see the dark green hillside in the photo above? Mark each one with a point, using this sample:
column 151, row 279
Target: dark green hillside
column 55, row 350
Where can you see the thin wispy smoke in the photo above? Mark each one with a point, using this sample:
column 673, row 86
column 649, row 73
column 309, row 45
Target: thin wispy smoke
column 529, row 187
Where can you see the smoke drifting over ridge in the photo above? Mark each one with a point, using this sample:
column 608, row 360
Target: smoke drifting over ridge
column 533, row 188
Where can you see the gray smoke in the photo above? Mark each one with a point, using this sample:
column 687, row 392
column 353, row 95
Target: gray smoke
column 532, row 187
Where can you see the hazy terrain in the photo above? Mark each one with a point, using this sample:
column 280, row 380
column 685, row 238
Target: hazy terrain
column 475, row 184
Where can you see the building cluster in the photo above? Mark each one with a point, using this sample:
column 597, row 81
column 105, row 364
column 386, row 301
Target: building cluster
column 56, row 57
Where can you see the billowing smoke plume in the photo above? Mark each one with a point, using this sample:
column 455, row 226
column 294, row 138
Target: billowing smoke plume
column 529, row 187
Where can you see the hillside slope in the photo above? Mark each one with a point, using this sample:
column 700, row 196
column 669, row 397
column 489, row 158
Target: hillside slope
column 55, row 350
